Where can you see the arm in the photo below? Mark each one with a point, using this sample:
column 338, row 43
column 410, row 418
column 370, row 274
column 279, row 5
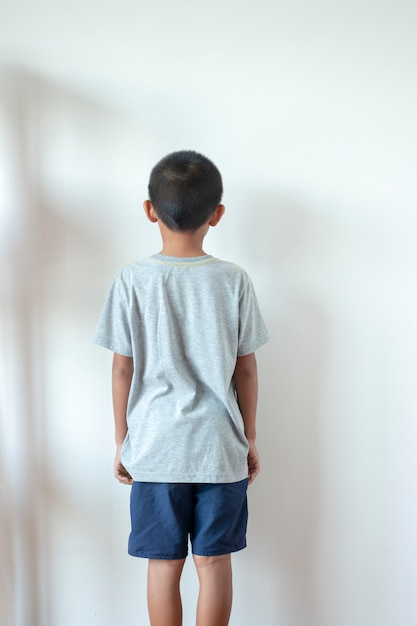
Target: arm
column 246, row 383
column 122, row 372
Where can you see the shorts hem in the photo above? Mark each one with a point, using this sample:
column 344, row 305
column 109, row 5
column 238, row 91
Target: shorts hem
column 221, row 552
column 158, row 556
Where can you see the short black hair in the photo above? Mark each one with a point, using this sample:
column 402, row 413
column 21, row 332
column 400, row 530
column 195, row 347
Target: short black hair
column 185, row 188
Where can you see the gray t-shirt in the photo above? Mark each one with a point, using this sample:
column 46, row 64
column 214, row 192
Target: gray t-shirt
column 184, row 321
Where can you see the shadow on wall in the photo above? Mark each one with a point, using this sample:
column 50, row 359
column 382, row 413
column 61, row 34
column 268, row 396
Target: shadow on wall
column 6, row 568
column 288, row 244
column 81, row 519
column 58, row 264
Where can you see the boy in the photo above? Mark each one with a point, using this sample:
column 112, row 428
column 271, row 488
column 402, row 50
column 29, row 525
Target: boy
column 184, row 327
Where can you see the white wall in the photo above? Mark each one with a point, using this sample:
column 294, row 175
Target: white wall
column 308, row 110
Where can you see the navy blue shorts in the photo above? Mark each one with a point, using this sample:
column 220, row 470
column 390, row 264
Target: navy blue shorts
column 165, row 515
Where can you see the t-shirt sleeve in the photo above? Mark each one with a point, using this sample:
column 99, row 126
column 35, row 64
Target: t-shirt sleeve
column 113, row 328
column 252, row 330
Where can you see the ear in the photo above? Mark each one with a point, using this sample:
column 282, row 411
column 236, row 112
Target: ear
column 217, row 215
column 150, row 211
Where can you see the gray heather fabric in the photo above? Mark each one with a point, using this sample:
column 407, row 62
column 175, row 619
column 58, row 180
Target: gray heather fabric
column 184, row 321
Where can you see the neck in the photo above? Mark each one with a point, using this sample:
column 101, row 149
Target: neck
column 182, row 244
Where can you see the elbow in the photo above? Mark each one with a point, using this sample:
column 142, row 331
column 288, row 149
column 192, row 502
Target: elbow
column 122, row 366
column 246, row 367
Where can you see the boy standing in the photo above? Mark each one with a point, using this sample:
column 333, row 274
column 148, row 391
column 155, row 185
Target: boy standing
column 184, row 327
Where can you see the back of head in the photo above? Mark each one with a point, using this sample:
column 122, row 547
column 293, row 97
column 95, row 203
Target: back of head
column 185, row 188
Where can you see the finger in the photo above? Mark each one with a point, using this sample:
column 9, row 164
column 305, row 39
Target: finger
column 121, row 470
column 253, row 472
column 122, row 475
column 127, row 481
column 123, row 478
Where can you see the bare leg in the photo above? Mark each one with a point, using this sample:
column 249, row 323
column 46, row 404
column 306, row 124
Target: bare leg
column 215, row 598
column 164, row 599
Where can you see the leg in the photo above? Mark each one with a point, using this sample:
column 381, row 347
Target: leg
column 164, row 599
column 215, row 597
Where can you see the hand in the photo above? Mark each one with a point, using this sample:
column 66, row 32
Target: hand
column 120, row 471
column 254, row 466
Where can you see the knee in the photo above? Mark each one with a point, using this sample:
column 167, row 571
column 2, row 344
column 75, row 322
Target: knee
column 169, row 567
